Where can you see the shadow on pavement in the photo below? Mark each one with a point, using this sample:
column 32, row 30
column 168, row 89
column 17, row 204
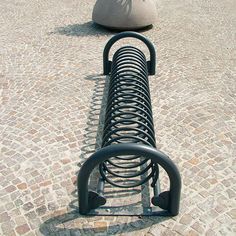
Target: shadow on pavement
column 72, row 223
column 89, row 28
column 81, row 30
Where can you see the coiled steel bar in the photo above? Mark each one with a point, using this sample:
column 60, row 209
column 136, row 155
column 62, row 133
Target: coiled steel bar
column 128, row 157
column 129, row 119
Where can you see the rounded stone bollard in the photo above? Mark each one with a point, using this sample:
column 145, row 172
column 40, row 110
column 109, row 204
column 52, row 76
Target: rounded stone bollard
column 124, row 14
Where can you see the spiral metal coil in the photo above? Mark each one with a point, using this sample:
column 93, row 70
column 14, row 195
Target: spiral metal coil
column 129, row 120
column 128, row 156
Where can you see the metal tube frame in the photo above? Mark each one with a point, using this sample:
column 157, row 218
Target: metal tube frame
column 171, row 198
column 129, row 132
column 107, row 64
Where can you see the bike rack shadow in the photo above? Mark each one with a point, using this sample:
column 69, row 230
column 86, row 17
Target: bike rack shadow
column 93, row 131
column 92, row 141
column 56, row 225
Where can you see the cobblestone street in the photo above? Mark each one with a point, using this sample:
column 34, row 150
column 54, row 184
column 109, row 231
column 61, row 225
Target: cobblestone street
column 52, row 87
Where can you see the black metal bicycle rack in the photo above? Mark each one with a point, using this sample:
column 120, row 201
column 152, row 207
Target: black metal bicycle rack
column 128, row 156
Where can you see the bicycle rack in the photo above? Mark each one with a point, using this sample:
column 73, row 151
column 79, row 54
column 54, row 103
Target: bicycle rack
column 128, row 150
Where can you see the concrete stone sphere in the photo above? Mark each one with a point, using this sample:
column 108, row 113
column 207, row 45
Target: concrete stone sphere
column 124, row 14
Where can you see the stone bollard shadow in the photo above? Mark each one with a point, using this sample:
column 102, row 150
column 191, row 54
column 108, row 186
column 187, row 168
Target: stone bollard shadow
column 81, row 30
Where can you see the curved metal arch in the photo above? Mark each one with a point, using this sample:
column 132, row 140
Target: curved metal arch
column 172, row 206
column 107, row 64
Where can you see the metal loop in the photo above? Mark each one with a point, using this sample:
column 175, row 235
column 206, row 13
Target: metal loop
column 107, row 64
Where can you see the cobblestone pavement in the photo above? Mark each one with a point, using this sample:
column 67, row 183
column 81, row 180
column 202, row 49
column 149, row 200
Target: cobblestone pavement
column 51, row 61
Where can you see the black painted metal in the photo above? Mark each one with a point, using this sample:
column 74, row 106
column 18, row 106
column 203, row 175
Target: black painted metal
column 128, row 157
column 150, row 64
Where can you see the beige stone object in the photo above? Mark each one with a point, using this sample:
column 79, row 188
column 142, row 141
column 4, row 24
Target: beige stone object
column 124, row 14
